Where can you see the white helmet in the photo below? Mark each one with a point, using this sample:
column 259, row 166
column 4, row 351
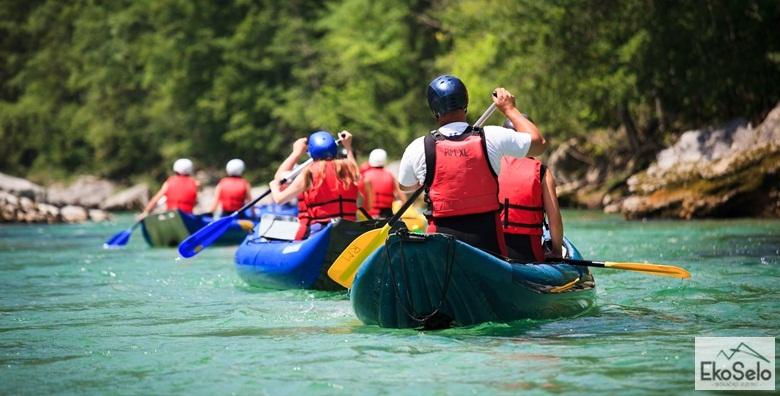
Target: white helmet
column 183, row 166
column 235, row 167
column 377, row 158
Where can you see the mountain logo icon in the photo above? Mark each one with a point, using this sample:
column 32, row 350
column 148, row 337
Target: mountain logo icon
column 744, row 349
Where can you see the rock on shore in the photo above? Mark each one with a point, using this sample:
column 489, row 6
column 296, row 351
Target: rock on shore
column 133, row 198
column 22, row 201
column 732, row 170
column 87, row 191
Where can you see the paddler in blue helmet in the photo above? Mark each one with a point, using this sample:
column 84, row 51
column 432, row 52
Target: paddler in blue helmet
column 327, row 189
column 459, row 164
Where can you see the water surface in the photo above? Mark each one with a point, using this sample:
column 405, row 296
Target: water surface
column 76, row 319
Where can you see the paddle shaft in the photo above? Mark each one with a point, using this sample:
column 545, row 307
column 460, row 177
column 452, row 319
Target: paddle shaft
column 584, row 263
column 647, row 268
column 295, row 172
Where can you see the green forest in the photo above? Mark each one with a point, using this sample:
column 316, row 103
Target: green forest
column 121, row 88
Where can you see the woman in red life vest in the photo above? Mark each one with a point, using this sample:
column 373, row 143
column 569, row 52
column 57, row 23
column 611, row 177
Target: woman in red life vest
column 180, row 190
column 527, row 193
column 459, row 165
column 384, row 188
column 233, row 191
column 328, row 187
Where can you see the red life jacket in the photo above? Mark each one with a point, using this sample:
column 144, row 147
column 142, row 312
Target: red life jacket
column 382, row 187
column 331, row 199
column 182, row 193
column 232, row 193
column 459, row 178
column 521, row 194
column 303, row 217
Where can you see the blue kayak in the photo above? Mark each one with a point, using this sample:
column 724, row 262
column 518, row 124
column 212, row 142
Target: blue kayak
column 285, row 264
column 436, row 281
column 169, row 228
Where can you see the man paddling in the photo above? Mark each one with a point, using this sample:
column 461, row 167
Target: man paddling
column 459, row 164
column 233, row 191
column 180, row 190
column 382, row 183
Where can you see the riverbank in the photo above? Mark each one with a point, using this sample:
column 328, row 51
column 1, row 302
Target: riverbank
column 732, row 170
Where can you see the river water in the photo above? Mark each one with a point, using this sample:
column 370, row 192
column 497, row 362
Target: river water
column 76, row 319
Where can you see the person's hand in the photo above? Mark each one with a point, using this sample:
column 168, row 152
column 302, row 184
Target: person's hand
column 553, row 255
column 504, row 100
column 274, row 184
column 141, row 216
column 300, row 146
column 346, row 139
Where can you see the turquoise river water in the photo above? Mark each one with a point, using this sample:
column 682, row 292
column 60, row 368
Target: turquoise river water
column 76, row 319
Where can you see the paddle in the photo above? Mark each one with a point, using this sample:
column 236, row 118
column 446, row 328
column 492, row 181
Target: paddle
column 344, row 268
column 121, row 238
column 204, row 237
column 647, row 268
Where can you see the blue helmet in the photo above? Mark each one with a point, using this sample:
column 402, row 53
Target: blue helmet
column 322, row 146
column 447, row 93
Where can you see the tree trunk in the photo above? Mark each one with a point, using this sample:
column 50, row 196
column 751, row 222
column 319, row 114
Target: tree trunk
column 631, row 132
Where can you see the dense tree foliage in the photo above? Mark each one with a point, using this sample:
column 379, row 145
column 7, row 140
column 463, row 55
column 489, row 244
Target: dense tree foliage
column 122, row 88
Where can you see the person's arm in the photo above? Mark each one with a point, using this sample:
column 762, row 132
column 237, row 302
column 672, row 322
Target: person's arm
column 412, row 168
column 368, row 195
column 550, row 199
column 399, row 195
column 346, row 142
column 248, row 196
column 505, row 102
column 153, row 202
column 215, row 201
column 297, row 186
column 299, row 148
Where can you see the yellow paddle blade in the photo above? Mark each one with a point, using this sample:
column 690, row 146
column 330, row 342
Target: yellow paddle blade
column 246, row 225
column 655, row 269
column 414, row 220
column 346, row 265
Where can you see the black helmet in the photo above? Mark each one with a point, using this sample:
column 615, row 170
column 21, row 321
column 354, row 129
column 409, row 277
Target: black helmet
column 447, row 93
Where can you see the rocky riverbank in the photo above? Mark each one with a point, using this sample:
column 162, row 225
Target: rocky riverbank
column 726, row 171
column 86, row 199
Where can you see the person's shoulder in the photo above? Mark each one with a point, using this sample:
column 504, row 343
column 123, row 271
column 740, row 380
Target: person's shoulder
column 415, row 147
column 496, row 130
column 417, row 140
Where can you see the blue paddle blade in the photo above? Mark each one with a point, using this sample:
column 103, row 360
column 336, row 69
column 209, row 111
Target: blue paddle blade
column 119, row 240
column 204, row 237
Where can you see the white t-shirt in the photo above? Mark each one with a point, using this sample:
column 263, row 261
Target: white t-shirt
column 500, row 142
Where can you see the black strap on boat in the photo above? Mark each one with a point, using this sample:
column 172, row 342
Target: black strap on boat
column 435, row 319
